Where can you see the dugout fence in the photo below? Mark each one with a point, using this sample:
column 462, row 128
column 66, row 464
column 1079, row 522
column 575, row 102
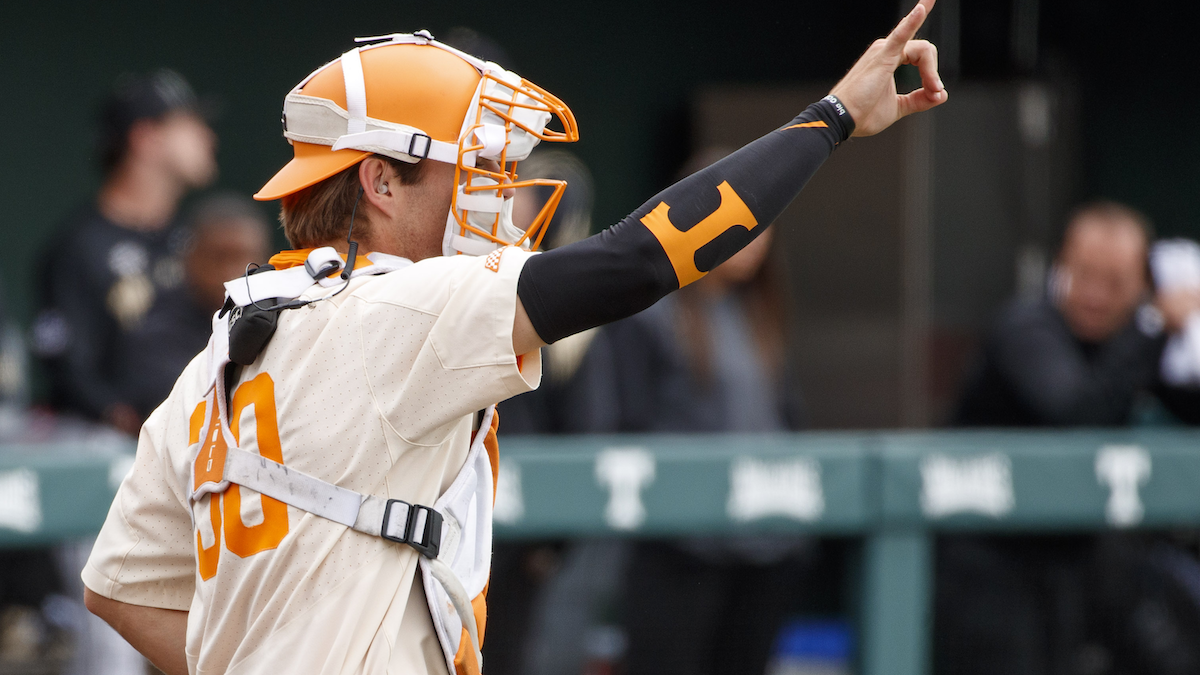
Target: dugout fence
column 893, row 491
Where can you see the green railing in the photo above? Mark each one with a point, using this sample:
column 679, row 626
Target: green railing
column 894, row 490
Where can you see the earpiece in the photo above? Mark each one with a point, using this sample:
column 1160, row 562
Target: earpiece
column 383, row 189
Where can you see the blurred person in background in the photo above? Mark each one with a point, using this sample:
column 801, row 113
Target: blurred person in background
column 711, row 358
column 226, row 233
column 123, row 250
column 1083, row 354
column 103, row 271
column 1086, row 354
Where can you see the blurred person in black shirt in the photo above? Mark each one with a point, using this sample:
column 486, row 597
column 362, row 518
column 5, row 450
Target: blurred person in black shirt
column 103, row 271
column 1087, row 354
column 114, row 257
column 1082, row 355
column 225, row 234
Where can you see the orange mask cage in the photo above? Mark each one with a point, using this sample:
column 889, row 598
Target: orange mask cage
column 541, row 223
column 506, row 178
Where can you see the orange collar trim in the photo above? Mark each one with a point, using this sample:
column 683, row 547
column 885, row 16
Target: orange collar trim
column 295, row 258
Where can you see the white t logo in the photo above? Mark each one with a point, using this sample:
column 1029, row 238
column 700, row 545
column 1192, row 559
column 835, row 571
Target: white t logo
column 625, row 472
column 1123, row 468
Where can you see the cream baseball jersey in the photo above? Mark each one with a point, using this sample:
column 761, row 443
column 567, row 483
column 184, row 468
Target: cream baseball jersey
column 375, row 390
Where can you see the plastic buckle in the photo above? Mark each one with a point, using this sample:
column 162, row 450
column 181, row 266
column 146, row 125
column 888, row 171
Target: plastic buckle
column 412, row 144
column 327, row 270
column 430, row 541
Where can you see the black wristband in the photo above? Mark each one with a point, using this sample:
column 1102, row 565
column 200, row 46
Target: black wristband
column 845, row 122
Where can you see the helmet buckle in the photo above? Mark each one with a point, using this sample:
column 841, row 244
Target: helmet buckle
column 412, row 144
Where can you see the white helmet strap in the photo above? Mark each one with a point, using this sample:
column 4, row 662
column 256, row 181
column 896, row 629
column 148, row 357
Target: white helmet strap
column 423, row 37
column 356, row 91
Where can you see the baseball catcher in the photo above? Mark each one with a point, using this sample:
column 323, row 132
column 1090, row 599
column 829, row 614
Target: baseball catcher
column 315, row 495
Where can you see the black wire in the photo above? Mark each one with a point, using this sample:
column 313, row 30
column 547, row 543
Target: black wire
column 246, row 277
column 352, row 252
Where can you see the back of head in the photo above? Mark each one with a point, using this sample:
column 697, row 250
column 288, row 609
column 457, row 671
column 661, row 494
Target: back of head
column 1101, row 271
column 139, row 97
column 227, row 233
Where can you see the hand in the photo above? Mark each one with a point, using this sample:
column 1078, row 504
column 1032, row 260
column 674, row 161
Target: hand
column 1176, row 307
column 869, row 90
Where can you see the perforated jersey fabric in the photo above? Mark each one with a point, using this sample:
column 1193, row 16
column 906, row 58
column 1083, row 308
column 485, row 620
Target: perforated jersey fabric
column 373, row 390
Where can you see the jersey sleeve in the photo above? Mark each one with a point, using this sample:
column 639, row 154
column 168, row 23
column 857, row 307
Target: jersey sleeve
column 145, row 554
column 437, row 342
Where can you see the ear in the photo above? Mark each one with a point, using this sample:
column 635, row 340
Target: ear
column 373, row 175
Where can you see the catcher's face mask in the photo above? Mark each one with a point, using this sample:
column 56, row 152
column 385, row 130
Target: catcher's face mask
column 410, row 97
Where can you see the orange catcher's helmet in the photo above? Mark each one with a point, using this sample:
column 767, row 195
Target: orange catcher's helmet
column 410, row 97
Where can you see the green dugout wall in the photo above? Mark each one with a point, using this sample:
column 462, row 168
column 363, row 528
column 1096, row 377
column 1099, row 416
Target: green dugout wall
column 892, row 491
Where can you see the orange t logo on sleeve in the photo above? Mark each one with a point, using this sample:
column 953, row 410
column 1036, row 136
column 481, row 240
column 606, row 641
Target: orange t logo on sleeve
column 681, row 246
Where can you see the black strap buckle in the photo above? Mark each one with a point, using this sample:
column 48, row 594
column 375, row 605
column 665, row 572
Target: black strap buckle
column 412, row 145
column 428, row 541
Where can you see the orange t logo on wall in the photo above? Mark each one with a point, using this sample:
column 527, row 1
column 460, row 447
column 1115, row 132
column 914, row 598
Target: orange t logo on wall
column 241, row 539
column 681, row 246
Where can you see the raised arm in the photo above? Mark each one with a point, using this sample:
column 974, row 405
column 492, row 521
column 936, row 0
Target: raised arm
column 691, row 227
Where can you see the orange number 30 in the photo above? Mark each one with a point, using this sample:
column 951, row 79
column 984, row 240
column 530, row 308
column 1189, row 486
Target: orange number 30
column 241, row 539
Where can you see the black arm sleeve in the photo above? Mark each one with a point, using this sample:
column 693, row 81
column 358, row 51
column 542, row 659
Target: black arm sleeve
column 681, row 233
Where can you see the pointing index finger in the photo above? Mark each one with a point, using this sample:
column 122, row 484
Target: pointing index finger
column 908, row 26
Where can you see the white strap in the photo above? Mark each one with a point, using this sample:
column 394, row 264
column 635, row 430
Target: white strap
column 294, row 281
column 362, row 513
column 479, row 201
column 389, row 141
column 422, row 37
column 356, row 91
column 217, row 351
column 493, row 137
column 293, row 487
column 458, row 597
column 289, row 283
